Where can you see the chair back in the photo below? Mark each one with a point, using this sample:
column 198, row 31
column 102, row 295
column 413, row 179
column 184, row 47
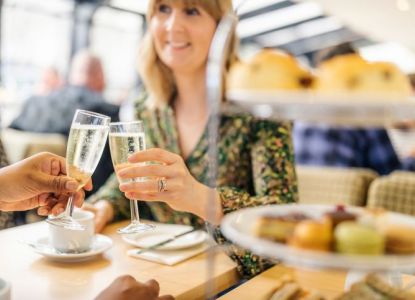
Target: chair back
column 395, row 192
column 21, row 144
column 329, row 185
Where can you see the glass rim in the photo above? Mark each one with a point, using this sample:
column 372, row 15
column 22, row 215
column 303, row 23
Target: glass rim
column 126, row 123
column 92, row 113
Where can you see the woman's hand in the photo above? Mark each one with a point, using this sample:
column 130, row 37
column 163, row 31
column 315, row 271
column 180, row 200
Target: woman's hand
column 181, row 190
column 103, row 211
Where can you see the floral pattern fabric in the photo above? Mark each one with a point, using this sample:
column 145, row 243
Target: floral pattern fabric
column 256, row 167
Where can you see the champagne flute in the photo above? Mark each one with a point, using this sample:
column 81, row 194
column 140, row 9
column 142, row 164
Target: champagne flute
column 86, row 143
column 127, row 138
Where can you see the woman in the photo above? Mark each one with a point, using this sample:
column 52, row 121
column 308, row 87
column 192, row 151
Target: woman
column 255, row 157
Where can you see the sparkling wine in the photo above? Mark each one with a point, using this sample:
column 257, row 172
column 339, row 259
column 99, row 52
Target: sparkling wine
column 123, row 145
column 77, row 174
column 85, row 146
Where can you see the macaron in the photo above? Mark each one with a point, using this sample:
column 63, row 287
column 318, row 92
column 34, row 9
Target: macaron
column 313, row 235
column 354, row 238
column 400, row 239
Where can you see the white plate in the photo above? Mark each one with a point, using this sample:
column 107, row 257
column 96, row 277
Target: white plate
column 164, row 232
column 238, row 227
column 100, row 244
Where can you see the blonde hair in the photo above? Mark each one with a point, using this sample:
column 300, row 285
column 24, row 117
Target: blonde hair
column 157, row 77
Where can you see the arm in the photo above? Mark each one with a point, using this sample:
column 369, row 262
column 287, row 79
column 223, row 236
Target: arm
column 108, row 204
column 273, row 169
column 275, row 182
column 273, row 174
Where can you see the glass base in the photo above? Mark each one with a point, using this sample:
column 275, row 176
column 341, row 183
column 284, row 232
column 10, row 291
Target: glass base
column 135, row 227
column 66, row 222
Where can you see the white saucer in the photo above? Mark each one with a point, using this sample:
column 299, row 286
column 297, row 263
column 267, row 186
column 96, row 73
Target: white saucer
column 100, row 244
column 164, row 232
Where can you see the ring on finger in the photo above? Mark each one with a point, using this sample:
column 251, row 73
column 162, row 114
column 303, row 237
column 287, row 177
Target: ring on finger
column 162, row 185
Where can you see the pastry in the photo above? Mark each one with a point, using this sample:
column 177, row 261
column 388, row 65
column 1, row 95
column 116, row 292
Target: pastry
column 381, row 286
column 352, row 74
column 278, row 228
column 269, row 70
column 340, row 74
column 339, row 215
column 313, row 235
column 287, row 292
column 375, row 288
column 374, row 217
column 400, row 239
column 385, row 78
column 354, row 238
column 288, row 289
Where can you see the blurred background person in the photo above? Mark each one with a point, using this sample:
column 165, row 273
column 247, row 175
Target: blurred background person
column 51, row 80
column 327, row 145
column 53, row 113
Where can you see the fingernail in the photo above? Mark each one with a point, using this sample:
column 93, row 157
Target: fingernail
column 71, row 185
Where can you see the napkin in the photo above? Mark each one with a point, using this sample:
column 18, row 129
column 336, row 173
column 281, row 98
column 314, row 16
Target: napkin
column 169, row 257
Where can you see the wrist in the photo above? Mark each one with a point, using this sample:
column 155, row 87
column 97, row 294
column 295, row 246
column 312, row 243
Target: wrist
column 211, row 205
column 106, row 210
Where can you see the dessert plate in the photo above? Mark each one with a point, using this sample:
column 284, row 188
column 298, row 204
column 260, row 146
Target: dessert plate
column 42, row 246
column 238, row 227
column 337, row 109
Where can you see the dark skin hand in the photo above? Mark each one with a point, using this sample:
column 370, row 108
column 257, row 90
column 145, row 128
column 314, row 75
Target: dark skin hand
column 39, row 181
column 127, row 288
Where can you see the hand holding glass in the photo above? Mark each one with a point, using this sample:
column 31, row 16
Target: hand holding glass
column 86, row 143
column 126, row 138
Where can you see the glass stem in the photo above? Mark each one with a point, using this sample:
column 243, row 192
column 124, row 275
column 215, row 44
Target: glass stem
column 69, row 206
column 135, row 218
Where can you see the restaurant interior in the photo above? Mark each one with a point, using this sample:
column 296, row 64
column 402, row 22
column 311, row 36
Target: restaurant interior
column 295, row 181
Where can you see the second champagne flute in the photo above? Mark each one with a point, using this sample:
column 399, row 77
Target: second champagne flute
column 86, row 143
column 127, row 138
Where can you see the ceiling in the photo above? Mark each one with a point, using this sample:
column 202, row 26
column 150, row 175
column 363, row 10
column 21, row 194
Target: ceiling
column 300, row 28
column 303, row 27
column 382, row 20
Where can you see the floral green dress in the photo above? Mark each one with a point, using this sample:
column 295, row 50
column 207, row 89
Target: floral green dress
column 256, row 167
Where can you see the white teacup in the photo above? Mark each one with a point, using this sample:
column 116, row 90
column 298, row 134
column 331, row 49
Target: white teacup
column 73, row 241
column 5, row 290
